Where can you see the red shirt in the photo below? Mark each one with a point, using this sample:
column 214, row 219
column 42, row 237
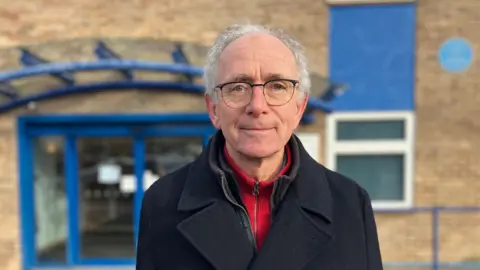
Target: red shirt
column 256, row 197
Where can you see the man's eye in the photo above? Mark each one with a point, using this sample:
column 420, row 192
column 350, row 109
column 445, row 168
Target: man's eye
column 279, row 86
column 239, row 88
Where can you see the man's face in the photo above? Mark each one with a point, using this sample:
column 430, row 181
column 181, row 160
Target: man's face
column 257, row 129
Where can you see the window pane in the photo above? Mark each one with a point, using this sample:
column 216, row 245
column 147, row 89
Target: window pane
column 106, row 214
column 381, row 175
column 164, row 155
column 370, row 130
column 50, row 200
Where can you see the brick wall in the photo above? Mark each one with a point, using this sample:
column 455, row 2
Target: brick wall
column 447, row 147
column 448, row 129
column 9, row 208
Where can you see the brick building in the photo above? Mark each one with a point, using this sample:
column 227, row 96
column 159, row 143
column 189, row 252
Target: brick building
column 406, row 128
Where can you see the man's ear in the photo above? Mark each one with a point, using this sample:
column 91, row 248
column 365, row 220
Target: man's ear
column 302, row 105
column 212, row 111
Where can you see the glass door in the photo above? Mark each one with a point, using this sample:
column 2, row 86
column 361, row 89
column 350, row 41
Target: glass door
column 112, row 174
column 50, row 222
column 106, row 211
column 86, row 204
column 164, row 155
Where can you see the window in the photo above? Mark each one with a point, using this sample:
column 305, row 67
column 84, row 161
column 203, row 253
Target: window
column 311, row 143
column 376, row 150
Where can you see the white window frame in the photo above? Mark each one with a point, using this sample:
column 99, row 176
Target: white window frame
column 403, row 146
column 311, row 143
column 360, row 2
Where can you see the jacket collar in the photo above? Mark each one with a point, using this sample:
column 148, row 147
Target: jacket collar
column 301, row 225
column 204, row 180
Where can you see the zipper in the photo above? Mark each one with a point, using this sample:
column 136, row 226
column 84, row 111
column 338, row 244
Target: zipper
column 256, row 191
column 243, row 215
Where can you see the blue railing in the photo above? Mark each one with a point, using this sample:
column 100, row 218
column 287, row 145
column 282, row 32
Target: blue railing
column 436, row 263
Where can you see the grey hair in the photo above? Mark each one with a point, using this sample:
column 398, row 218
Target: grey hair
column 237, row 31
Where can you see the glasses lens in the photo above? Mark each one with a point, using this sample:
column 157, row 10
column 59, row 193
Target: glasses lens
column 236, row 95
column 279, row 92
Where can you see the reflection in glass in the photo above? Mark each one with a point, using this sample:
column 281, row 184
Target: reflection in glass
column 106, row 214
column 371, row 130
column 50, row 200
column 166, row 154
column 106, row 186
column 381, row 175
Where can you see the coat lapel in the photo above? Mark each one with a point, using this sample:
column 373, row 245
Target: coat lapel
column 303, row 226
column 213, row 228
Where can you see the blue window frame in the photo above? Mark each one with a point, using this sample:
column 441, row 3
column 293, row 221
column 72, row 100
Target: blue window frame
column 71, row 128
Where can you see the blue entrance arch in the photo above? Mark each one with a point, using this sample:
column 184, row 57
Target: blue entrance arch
column 108, row 60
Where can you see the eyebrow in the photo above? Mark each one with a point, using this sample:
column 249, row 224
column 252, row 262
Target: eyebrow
column 248, row 78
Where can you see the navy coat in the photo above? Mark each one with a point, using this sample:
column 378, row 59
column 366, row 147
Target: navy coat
column 323, row 221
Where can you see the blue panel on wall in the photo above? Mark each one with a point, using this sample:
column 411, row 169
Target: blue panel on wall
column 372, row 49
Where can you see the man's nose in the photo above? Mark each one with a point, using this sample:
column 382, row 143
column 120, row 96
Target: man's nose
column 258, row 104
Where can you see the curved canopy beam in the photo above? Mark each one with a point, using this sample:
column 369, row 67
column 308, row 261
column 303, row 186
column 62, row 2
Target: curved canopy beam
column 103, row 86
column 105, row 64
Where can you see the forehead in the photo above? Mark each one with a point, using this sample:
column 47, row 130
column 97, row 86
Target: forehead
column 257, row 55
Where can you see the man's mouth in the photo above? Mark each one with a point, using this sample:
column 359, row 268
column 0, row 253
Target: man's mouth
column 256, row 130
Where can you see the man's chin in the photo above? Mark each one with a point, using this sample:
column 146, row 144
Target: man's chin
column 256, row 151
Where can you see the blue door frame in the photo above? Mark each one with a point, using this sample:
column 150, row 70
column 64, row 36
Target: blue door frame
column 72, row 127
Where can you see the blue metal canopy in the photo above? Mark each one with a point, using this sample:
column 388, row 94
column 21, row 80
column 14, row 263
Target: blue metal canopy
column 109, row 60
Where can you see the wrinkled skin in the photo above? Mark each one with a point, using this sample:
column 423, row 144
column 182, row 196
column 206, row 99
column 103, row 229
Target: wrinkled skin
column 257, row 133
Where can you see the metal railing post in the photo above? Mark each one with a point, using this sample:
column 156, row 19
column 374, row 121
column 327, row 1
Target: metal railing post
column 435, row 239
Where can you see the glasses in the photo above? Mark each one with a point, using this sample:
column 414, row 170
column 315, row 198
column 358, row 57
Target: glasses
column 239, row 94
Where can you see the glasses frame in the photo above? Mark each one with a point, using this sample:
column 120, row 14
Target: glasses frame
column 252, row 85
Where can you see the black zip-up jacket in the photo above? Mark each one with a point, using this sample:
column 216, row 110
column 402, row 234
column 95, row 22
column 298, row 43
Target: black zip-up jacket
column 194, row 219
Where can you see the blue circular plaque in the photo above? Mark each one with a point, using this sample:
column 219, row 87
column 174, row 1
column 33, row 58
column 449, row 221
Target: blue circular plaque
column 455, row 55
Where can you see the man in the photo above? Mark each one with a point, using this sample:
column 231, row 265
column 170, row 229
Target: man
column 255, row 199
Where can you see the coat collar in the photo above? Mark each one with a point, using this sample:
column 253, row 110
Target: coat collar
column 203, row 184
column 305, row 201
